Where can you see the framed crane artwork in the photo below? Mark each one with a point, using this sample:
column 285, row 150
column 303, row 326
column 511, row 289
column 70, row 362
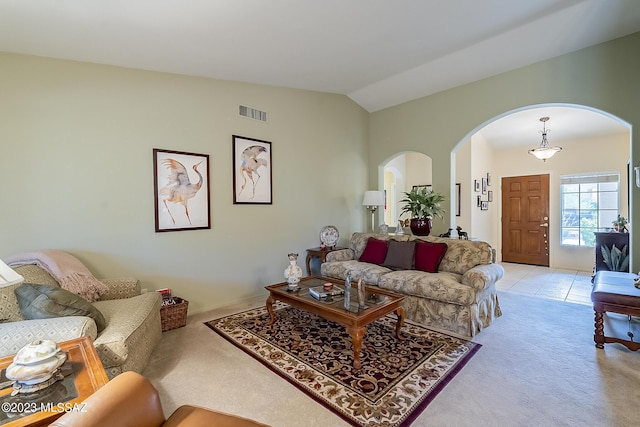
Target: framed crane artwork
column 251, row 171
column 181, row 190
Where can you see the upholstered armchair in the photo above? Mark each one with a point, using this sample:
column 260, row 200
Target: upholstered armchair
column 130, row 400
column 131, row 328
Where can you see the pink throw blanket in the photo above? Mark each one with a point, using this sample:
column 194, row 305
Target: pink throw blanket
column 70, row 273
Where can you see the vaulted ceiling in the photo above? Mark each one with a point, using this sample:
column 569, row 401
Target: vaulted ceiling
column 380, row 53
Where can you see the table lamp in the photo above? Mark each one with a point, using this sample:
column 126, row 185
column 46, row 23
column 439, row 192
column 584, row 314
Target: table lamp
column 373, row 199
column 8, row 276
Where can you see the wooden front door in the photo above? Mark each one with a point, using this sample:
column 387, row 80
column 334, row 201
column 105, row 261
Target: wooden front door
column 525, row 219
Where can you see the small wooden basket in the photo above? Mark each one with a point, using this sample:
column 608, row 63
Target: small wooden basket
column 174, row 316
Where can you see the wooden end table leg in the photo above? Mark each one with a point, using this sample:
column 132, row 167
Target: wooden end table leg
column 356, row 336
column 272, row 314
column 598, row 337
column 309, row 264
column 400, row 313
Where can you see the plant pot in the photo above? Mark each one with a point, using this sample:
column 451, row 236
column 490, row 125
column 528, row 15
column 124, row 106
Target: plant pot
column 420, row 227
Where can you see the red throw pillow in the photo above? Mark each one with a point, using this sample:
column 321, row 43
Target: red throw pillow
column 375, row 251
column 429, row 255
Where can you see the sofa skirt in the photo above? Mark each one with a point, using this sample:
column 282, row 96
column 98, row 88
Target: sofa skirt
column 465, row 320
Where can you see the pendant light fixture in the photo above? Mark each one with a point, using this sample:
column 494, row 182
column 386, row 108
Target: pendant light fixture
column 544, row 152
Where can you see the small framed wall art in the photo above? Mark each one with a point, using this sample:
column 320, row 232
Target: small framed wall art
column 252, row 171
column 419, row 187
column 181, row 190
column 484, row 206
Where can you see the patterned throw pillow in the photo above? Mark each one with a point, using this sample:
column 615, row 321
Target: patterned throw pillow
column 375, row 252
column 429, row 255
column 400, row 255
column 46, row 301
column 9, row 308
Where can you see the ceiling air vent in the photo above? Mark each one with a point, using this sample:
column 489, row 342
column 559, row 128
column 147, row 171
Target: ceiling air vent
column 253, row 113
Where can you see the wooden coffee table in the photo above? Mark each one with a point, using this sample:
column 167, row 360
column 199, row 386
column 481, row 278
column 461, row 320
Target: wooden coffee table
column 379, row 303
column 84, row 375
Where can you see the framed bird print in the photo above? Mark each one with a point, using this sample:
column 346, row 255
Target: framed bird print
column 251, row 171
column 181, row 190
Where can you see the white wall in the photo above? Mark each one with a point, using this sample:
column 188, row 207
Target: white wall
column 409, row 169
column 577, row 157
column 464, row 175
column 76, row 168
column 597, row 154
column 418, row 170
column 483, row 222
column 396, row 167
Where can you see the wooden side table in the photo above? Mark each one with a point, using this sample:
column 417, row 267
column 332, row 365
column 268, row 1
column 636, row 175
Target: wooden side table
column 41, row 408
column 319, row 253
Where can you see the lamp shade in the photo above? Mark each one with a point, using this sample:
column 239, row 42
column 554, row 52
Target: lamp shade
column 373, row 198
column 8, row 276
column 544, row 153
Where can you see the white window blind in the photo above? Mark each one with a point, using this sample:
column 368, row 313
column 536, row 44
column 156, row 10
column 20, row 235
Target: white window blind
column 590, row 203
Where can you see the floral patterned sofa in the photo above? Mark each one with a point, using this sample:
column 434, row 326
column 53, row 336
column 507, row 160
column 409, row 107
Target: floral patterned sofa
column 459, row 296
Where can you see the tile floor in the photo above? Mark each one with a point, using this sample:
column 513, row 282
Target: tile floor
column 544, row 282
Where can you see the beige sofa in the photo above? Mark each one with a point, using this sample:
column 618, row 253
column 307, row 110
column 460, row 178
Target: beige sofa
column 460, row 297
column 132, row 331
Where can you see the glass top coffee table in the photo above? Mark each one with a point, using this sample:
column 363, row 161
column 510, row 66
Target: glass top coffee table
column 378, row 303
column 84, row 374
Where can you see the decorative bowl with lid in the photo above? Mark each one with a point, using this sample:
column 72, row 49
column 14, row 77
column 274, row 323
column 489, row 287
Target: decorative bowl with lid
column 34, row 364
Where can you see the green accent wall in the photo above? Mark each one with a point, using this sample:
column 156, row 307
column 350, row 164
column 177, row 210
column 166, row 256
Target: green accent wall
column 604, row 77
column 77, row 173
column 76, row 164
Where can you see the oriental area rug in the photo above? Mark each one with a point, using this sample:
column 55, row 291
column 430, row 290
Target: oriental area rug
column 397, row 380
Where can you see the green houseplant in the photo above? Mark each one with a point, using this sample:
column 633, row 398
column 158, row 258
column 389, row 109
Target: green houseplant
column 616, row 259
column 620, row 223
column 423, row 205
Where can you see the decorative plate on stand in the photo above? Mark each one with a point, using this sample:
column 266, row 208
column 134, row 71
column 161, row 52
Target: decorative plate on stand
column 329, row 235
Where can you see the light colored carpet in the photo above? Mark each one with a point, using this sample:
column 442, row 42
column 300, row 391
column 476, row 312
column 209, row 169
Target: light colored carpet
column 538, row 367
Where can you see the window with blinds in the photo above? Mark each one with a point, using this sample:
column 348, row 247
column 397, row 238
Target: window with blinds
column 589, row 203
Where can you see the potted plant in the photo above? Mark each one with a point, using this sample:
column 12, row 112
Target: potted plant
column 620, row 224
column 423, row 205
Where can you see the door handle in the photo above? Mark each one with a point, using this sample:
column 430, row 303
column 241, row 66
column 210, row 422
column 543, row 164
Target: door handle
column 546, row 224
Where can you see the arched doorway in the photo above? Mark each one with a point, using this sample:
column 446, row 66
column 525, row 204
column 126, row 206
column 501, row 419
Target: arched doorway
column 400, row 173
column 590, row 139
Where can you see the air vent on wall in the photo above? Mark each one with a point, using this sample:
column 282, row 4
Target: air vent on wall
column 252, row 113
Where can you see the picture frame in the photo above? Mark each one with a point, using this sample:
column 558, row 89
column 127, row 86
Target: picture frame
column 476, row 185
column 490, row 196
column 479, row 201
column 457, row 199
column 484, row 185
column 484, row 206
column 489, row 178
column 427, row 186
column 181, row 190
column 252, row 171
